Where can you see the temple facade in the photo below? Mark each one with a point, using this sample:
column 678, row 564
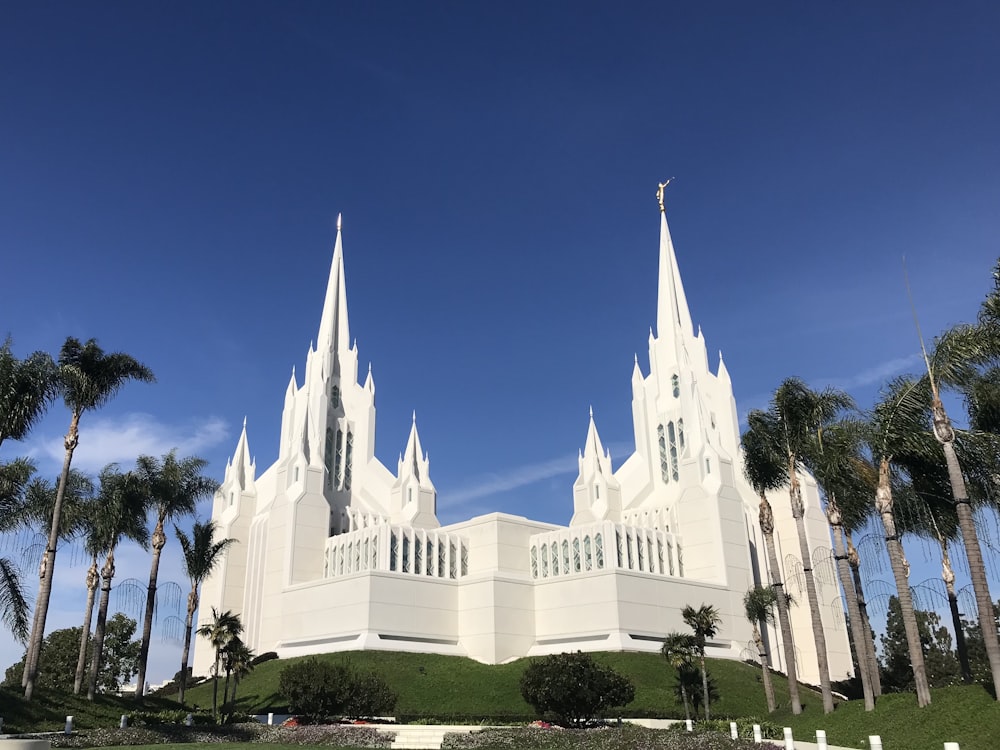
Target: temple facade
column 336, row 552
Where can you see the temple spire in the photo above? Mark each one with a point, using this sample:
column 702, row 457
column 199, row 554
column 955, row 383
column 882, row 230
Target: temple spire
column 242, row 464
column 672, row 309
column 334, row 333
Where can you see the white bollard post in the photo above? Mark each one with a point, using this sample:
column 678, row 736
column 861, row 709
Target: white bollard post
column 189, row 720
column 69, row 724
column 951, row 746
column 733, row 731
column 757, row 736
column 874, row 742
column 123, row 724
column 789, row 742
column 689, row 724
column 820, row 739
column 270, row 719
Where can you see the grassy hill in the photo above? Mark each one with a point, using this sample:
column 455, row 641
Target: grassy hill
column 430, row 685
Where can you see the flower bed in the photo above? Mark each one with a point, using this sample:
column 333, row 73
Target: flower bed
column 334, row 735
column 624, row 738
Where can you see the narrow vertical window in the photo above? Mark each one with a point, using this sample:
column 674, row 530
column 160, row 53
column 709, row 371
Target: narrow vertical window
column 597, row 492
column 555, row 559
column 465, row 560
column 418, row 556
column 680, row 432
column 406, row 553
column 350, row 556
column 296, row 473
column 664, row 465
column 588, row 557
column 576, row 555
column 675, row 385
column 618, row 546
column 409, row 494
column 429, row 566
column 565, row 553
column 347, row 460
column 232, row 497
column 671, row 435
column 639, row 545
column 328, row 457
column 364, row 557
column 442, row 546
column 453, row 561
column 335, row 396
column 338, row 463
column 629, row 544
column 708, row 465
column 545, row 561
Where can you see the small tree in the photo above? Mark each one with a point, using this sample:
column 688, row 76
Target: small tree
column 758, row 605
column 573, row 688
column 680, row 650
column 705, row 622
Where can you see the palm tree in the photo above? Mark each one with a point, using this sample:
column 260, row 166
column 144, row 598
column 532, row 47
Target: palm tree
column 175, row 486
column 758, row 604
column 763, row 466
column 14, row 478
column 237, row 658
column 854, row 561
column 834, row 458
column 680, row 650
column 201, row 554
column 952, row 364
column 801, row 412
column 223, row 627
column 35, row 512
column 89, row 379
column 122, row 516
column 26, row 389
column 894, row 427
column 705, row 622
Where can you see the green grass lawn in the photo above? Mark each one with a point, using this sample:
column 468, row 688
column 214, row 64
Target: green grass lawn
column 430, row 685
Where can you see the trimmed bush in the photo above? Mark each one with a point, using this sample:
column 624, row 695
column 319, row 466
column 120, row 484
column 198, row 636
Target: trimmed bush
column 320, row 690
column 573, row 688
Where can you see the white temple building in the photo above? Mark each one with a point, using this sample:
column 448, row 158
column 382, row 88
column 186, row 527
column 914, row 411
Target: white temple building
column 336, row 552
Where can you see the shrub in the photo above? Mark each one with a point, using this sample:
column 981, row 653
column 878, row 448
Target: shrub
column 572, row 688
column 320, row 690
column 266, row 656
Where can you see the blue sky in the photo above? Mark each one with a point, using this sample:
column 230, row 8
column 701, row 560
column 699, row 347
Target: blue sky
column 170, row 177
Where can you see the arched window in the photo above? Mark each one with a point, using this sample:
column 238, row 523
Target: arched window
column 664, row 465
column 675, row 385
column 588, row 558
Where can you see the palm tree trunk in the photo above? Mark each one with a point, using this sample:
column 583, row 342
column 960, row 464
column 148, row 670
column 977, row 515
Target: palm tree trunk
column 684, row 697
column 765, row 667
column 966, row 524
column 858, row 634
column 81, row 662
column 869, row 640
column 188, row 627
column 215, row 686
column 704, row 685
column 107, row 573
column 45, row 582
column 767, row 528
column 883, row 504
column 158, row 541
column 956, row 618
column 822, row 662
column 225, row 691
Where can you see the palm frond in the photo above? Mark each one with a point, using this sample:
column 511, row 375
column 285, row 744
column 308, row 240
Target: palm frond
column 13, row 603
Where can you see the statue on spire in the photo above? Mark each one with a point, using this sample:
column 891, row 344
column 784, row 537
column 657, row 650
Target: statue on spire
column 659, row 192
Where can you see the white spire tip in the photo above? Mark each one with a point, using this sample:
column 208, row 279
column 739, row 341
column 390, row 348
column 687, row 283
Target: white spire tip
column 340, row 221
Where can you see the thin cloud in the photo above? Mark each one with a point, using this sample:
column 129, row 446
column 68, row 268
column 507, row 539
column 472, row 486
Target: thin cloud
column 511, row 479
column 105, row 440
column 876, row 375
column 522, row 476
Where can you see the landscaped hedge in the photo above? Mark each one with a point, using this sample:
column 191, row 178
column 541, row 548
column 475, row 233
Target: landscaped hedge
column 624, row 738
column 330, row 735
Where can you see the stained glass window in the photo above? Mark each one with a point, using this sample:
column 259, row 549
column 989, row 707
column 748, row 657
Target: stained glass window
column 347, row 461
column 406, row 553
column 338, row 464
column 680, row 432
column 453, row 561
column 588, row 557
column 599, row 550
column 565, row 555
column 675, row 385
column 429, row 568
column 328, row 457
column 335, row 396
column 393, row 551
column 465, row 559
column 442, row 547
column 673, row 451
column 418, row 556
column 639, row 544
column 576, row 555
column 545, row 561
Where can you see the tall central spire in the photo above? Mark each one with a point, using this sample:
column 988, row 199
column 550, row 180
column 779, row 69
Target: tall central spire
column 671, row 308
column 334, row 333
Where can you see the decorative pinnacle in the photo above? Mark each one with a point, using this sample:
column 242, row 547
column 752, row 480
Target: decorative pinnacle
column 244, row 422
column 659, row 192
column 340, row 218
column 591, row 412
column 414, row 416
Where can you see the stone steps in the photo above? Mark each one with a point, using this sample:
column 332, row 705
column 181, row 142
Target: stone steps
column 422, row 737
